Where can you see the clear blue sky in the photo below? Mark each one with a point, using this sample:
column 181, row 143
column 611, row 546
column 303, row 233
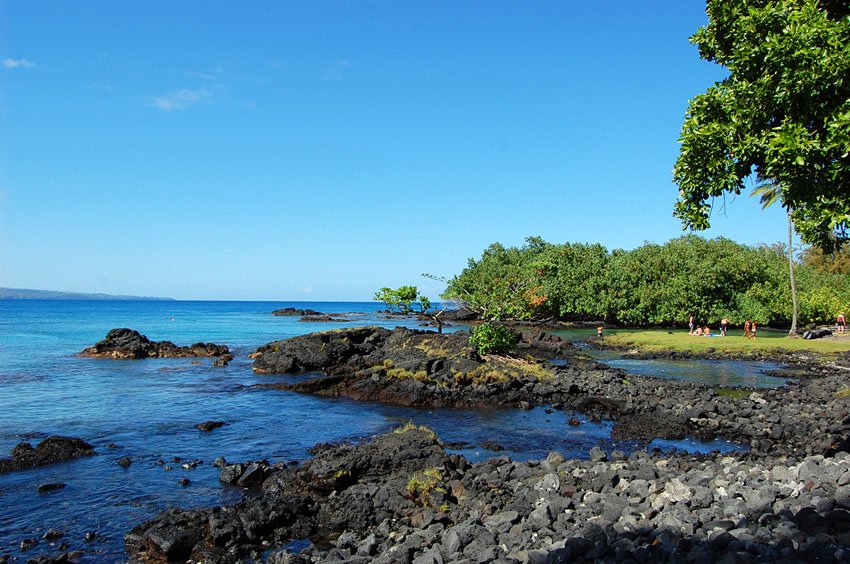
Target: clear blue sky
column 320, row 150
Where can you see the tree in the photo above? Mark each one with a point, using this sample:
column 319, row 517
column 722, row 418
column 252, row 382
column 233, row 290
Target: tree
column 402, row 299
column 783, row 111
column 837, row 262
column 770, row 192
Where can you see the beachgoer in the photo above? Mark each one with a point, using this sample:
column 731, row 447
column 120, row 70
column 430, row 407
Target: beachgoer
column 691, row 325
column 753, row 330
column 724, row 325
column 747, row 329
column 840, row 322
column 599, row 330
column 706, row 331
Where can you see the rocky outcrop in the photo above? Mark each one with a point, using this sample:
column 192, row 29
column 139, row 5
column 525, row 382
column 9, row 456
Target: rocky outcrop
column 295, row 312
column 49, row 451
column 327, row 351
column 417, row 368
column 130, row 344
column 402, row 498
column 343, row 487
column 322, row 319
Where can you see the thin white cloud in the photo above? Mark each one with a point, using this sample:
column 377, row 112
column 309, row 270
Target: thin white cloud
column 306, row 290
column 17, row 63
column 179, row 100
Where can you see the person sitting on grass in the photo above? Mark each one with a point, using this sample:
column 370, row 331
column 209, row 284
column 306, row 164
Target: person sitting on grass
column 706, row 331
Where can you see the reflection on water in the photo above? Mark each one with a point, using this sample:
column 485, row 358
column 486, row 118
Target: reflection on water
column 721, row 373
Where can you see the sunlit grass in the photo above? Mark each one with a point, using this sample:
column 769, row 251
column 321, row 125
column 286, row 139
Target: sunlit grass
column 766, row 342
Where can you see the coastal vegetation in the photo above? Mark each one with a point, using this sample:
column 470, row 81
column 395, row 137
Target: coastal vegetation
column 489, row 338
column 654, row 284
column 782, row 112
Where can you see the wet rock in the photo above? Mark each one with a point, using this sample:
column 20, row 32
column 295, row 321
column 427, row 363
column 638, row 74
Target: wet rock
column 53, row 486
column 210, row 425
column 49, row 451
column 27, row 544
column 53, row 534
column 295, row 312
column 129, row 344
column 124, row 462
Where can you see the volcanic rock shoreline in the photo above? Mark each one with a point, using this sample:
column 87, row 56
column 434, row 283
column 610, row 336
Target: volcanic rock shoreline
column 401, row 498
column 424, row 369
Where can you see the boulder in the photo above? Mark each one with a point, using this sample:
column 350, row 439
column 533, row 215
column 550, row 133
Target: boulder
column 295, row 312
column 129, row 344
column 49, row 451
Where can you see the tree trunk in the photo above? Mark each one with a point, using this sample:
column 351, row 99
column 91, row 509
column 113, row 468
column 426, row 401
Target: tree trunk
column 793, row 330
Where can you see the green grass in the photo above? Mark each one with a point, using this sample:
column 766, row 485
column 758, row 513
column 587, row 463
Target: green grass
column 766, row 342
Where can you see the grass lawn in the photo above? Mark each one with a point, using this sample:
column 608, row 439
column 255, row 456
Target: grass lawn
column 767, row 341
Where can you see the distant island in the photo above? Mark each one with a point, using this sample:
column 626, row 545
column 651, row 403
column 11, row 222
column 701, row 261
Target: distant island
column 26, row 294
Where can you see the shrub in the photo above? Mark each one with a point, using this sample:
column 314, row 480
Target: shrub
column 493, row 339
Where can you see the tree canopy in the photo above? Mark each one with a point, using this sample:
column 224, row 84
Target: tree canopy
column 402, row 299
column 650, row 285
column 783, row 112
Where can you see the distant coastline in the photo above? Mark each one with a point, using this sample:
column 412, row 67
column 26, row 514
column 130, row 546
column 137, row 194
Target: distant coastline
column 27, row 294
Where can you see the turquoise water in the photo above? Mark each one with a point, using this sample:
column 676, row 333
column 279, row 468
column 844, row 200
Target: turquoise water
column 147, row 409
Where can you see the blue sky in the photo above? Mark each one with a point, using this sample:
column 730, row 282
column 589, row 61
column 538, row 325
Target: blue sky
column 320, row 150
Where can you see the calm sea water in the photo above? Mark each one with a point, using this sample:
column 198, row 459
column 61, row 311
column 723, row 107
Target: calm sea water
column 147, row 409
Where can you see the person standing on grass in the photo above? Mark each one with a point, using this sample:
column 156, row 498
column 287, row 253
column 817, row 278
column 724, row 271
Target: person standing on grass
column 753, row 330
column 747, row 329
column 724, row 325
column 840, row 322
column 691, row 324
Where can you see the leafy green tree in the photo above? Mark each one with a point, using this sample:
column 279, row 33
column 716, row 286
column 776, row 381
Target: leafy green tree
column 769, row 192
column 402, row 299
column 837, row 262
column 783, row 111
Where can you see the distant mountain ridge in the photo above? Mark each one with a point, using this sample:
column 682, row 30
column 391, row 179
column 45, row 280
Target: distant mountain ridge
column 26, row 294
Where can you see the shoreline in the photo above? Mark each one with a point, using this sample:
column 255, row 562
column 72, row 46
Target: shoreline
column 791, row 431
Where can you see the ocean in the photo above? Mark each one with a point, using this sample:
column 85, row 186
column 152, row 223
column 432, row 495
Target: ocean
column 147, row 410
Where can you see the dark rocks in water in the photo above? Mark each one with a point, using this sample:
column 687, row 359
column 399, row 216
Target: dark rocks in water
column 27, row 544
column 129, row 344
column 91, row 535
column 49, row 451
column 184, row 482
column 44, row 488
column 346, row 487
column 322, row 319
column 401, row 498
column 492, row 445
column 124, row 462
column 53, row 534
column 210, row 425
column 295, row 312
column 318, row 351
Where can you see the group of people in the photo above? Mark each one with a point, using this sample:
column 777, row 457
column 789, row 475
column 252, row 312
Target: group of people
column 750, row 328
